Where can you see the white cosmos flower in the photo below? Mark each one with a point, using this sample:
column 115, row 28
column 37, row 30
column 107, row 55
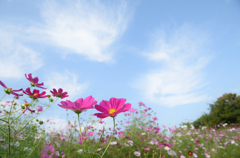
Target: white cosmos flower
column 113, row 143
column 195, row 155
column 80, row 151
column 166, row 148
column 136, row 153
column 172, row 153
column 57, row 153
column 17, row 144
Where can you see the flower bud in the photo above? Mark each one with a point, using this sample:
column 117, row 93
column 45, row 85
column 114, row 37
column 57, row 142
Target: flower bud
column 40, row 122
column 51, row 100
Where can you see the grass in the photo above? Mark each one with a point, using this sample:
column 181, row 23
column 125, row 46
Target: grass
column 140, row 138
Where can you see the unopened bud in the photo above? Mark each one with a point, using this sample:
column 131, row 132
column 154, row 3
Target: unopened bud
column 51, row 100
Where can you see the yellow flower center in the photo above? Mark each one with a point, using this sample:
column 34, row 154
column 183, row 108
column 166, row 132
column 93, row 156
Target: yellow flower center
column 112, row 111
column 10, row 88
column 26, row 104
column 35, row 94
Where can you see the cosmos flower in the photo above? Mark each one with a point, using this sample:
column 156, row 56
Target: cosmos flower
column 112, row 108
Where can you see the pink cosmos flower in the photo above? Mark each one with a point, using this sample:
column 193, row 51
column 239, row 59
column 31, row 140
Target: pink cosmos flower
column 120, row 133
column 90, row 133
column 59, row 93
column 112, row 108
column 89, row 127
column 34, row 81
column 148, row 148
column 145, row 115
column 155, row 118
column 101, row 122
column 48, row 151
column 35, row 94
column 127, row 114
column 196, row 140
column 142, row 104
column 132, row 110
column 10, row 91
column 83, row 138
column 26, row 104
column 39, row 108
column 79, row 105
column 20, row 136
column 206, row 155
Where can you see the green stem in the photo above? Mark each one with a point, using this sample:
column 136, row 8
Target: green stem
column 3, row 120
column 98, row 142
column 3, row 96
column 9, row 113
column 9, row 137
column 17, row 118
column 3, row 131
column 33, row 149
column 25, row 142
column 36, row 116
column 80, row 130
column 111, row 137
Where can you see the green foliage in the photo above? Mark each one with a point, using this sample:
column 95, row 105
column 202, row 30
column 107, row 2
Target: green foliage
column 225, row 110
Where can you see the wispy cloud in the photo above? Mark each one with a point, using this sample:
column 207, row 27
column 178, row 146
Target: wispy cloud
column 16, row 57
column 180, row 79
column 87, row 28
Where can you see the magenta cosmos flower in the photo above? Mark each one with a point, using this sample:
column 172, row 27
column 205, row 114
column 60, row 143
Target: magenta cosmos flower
column 112, row 108
column 10, row 91
column 34, row 81
column 48, row 151
column 59, row 93
column 79, row 105
column 35, row 94
column 26, row 104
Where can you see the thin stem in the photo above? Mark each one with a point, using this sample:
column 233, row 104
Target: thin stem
column 9, row 113
column 17, row 118
column 111, row 137
column 33, row 149
column 3, row 131
column 80, row 129
column 9, row 137
column 98, row 142
column 35, row 117
column 3, row 96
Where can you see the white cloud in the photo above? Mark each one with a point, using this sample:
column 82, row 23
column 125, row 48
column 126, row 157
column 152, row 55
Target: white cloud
column 16, row 57
column 180, row 79
column 83, row 27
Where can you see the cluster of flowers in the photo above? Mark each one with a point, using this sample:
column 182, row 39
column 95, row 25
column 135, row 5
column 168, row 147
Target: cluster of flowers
column 106, row 108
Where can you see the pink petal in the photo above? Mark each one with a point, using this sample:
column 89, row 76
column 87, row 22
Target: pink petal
column 126, row 107
column 121, row 103
column 101, row 115
column 101, row 109
column 106, row 105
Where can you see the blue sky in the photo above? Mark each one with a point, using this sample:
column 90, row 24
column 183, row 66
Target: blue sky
column 175, row 56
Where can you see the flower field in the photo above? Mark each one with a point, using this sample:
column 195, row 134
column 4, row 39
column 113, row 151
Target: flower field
column 23, row 136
